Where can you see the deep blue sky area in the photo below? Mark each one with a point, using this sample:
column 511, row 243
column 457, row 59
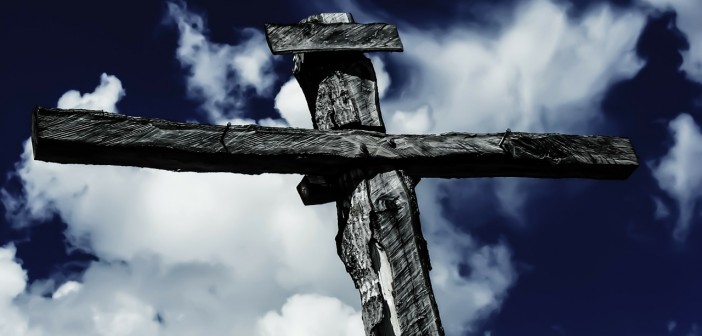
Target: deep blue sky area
column 595, row 262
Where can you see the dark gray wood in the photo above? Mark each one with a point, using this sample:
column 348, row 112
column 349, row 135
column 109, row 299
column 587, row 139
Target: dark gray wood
column 380, row 240
column 341, row 91
column 315, row 36
column 381, row 243
column 90, row 137
column 317, row 189
column 343, row 87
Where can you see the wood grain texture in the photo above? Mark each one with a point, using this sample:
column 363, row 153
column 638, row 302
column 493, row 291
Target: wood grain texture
column 341, row 91
column 391, row 273
column 314, row 36
column 379, row 220
column 89, row 137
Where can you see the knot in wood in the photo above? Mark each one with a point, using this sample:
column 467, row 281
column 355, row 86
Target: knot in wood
column 391, row 142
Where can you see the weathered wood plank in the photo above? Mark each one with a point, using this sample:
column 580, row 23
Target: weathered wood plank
column 89, row 137
column 330, row 87
column 315, row 36
column 341, row 91
column 381, row 243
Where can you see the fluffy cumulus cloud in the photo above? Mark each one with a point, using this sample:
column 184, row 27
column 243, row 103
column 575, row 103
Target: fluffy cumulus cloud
column 541, row 72
column 104, row 98
column 12, row 283
column 305, row 315
column 220, row 76
column 678, row 172
column 292, row 106
column 239, row 252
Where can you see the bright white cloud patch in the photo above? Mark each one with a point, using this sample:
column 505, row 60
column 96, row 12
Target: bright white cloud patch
column 104, row 97
column 381, row 75
column 68, row 288
column 418, row 121
column 12, row 283
column 679, row 174
column 203, row 253
column 221, row 75
column 543, row 72
column 292, row 106
column 312, row 315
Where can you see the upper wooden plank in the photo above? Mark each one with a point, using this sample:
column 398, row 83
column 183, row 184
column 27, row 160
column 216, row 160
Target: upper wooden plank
column 316, row 36
column 89, row 137
column 341, row 89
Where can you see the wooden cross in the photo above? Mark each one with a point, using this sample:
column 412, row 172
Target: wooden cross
column 347, row 158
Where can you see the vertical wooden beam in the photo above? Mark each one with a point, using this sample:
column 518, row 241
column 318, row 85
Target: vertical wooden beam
column 380, row 239
column 340, row 87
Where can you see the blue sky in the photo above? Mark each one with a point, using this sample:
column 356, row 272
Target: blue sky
column 88, row 250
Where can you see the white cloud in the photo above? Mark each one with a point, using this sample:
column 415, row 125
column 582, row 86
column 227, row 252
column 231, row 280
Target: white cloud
column 292, row 106
column 418, row 121
column 220, row 75
column 260, row 243
column 688, row 20
column 13, row 280
column 381, row 75
column 312, row 315
column 68, row 288
column 542, row 72
column 105, row 96
column 245, row 245
column 678, row 172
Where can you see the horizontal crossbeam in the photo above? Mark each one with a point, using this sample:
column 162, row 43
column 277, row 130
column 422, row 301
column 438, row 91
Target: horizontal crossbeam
column 314, row 36
column 90, row 137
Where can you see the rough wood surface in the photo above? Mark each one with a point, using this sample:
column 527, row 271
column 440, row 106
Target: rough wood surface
column 379, row 239
column 341, row 91
column 381, row 243
column 315, row 36
column 89, row 137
